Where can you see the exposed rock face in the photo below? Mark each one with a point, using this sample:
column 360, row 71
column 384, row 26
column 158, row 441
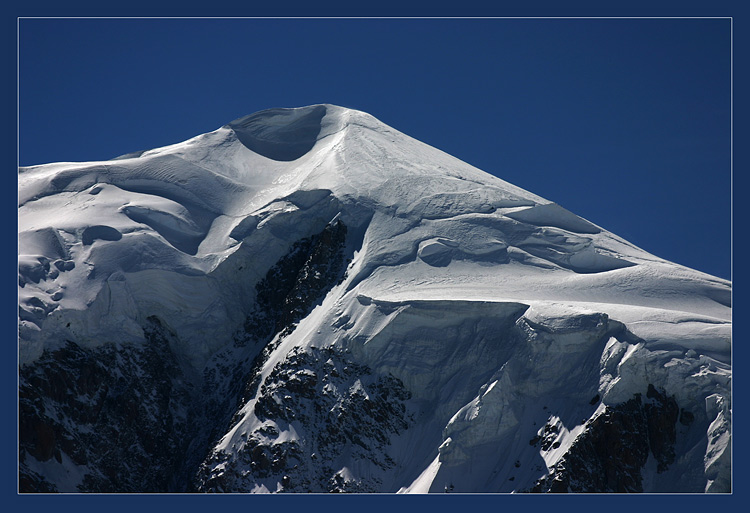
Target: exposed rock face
column 313, row 407
column 609, row 455
column 121, row 413
column 297, row 281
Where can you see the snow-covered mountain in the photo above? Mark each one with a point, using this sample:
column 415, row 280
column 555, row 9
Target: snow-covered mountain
column 307, row 300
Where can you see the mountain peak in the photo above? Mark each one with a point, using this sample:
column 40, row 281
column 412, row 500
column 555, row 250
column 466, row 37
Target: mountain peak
column 349, row 309
column 286, row 134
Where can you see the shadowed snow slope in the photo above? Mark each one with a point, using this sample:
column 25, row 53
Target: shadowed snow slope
column 280, row 134
column 344, row 308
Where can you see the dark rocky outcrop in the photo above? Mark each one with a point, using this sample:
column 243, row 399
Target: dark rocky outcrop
column 120, row 411
column 335, row 406
column 609, row 455
column 292, row 287
column 290, row 290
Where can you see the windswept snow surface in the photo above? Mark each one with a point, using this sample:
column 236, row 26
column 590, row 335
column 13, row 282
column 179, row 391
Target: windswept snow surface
column 499, row 311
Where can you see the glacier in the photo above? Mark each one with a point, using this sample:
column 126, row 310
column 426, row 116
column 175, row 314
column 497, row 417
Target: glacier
column 308, row 300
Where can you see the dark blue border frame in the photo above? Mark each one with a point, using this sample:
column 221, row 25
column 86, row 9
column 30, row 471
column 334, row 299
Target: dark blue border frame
column 8, row 373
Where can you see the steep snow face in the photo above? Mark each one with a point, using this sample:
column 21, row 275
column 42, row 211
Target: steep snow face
column 493, row 334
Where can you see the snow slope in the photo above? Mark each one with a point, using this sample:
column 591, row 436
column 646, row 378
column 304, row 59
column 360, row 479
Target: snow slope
column 489, row 313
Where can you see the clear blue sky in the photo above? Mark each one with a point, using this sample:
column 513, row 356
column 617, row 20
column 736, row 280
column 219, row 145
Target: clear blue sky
column 625, row 122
